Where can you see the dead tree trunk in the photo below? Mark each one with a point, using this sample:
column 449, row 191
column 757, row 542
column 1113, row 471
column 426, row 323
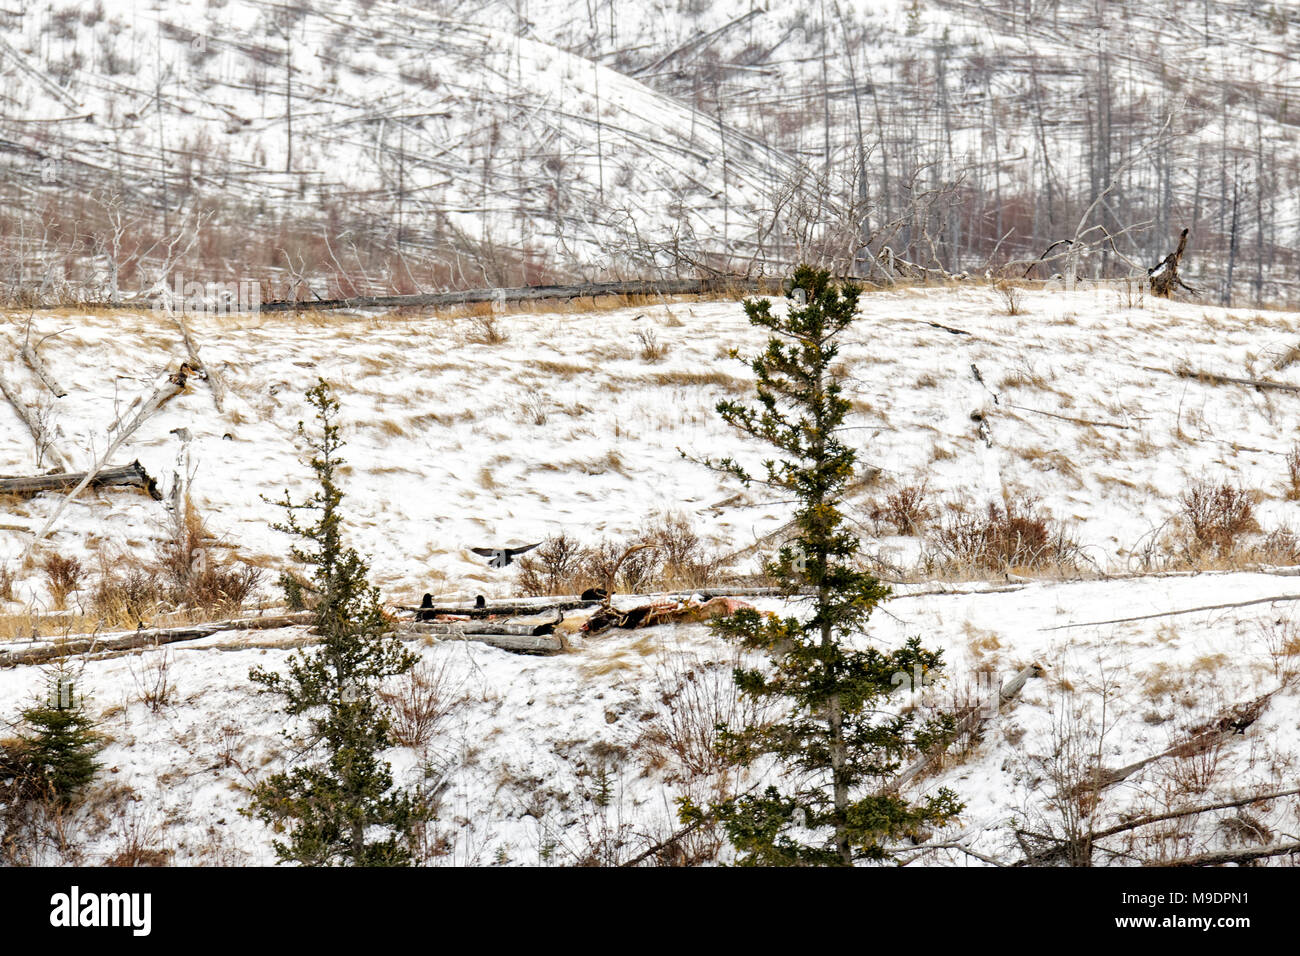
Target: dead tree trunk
column 1164, row 277
column 132, row 475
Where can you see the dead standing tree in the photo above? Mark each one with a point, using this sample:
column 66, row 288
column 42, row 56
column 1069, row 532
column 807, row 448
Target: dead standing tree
column 1164, row 277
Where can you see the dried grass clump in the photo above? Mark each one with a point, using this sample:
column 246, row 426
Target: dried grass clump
column 483, row 330
column 652, row 350
column 6, row 583
column 1019, row 535
column 63, row 575
column 1293, row 473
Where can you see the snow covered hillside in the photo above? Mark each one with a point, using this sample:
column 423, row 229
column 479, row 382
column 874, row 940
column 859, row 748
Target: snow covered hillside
column 1104, row 407
column 363, row 144
column 1097, row 403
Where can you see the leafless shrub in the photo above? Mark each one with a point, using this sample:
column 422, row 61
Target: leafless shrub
column 684, row 560
column 697, row 698
column 1020, row 534
column 184, row 559
column 667, row 554
column 1293, row 473
column 151, row 672
column 63, row 575
column 419, row 702
column 628, row 568
column 1281, row 642
column 138, row 842
column 1012, row 297
column 1218, row 516
column 907, row 510
column 553, row 567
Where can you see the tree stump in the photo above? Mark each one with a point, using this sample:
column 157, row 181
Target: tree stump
column 1164, row 277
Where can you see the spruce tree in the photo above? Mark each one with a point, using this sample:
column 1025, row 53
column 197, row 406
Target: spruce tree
column 59, row 740
column 333, row 806
column 836, row 744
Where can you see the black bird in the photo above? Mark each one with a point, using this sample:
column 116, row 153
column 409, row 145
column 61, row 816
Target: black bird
column 501, row 557
column 425, row 613
column 595, row 594
column 480, row 608
column 541, row 630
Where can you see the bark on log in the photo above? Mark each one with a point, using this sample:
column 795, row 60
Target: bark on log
column 213, row 377
column 132, row 475
column 36, row 365
column 518, row 643
column 1164, row 276
column 129, row 640
column 1236, row 856
column 44, row 443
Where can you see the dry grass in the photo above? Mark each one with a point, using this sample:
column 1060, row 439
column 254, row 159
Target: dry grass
column 652, row 350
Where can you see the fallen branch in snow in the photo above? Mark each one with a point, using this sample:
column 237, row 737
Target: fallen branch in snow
column 173, row 385
column 213, row 377
column 1070, row 418
column 132, row 476
column 1217, row 379
column 36, row 365
column 1236, row 856
column 1233, row 721
column 975, row 715
column 1190, row 610
column 1190, row 812
column 130, row 640
column 44, row 442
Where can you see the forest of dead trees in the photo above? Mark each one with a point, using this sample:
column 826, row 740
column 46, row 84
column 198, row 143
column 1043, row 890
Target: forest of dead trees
column 1016, row 139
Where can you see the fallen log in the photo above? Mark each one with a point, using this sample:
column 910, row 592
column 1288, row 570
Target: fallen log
column 519, row 643
column 1189, row 610
column 144, row 637
column 970, row 721
column 173, row 385
column 1236, row 856
column 130, row 476
column 42, row 372
column 1217, row 379
column 44, row 442
column 215, row 383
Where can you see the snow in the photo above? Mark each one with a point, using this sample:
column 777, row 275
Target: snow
column 445, row 453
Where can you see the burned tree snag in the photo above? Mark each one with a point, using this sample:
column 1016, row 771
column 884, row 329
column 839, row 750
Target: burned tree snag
column 1164, row 277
